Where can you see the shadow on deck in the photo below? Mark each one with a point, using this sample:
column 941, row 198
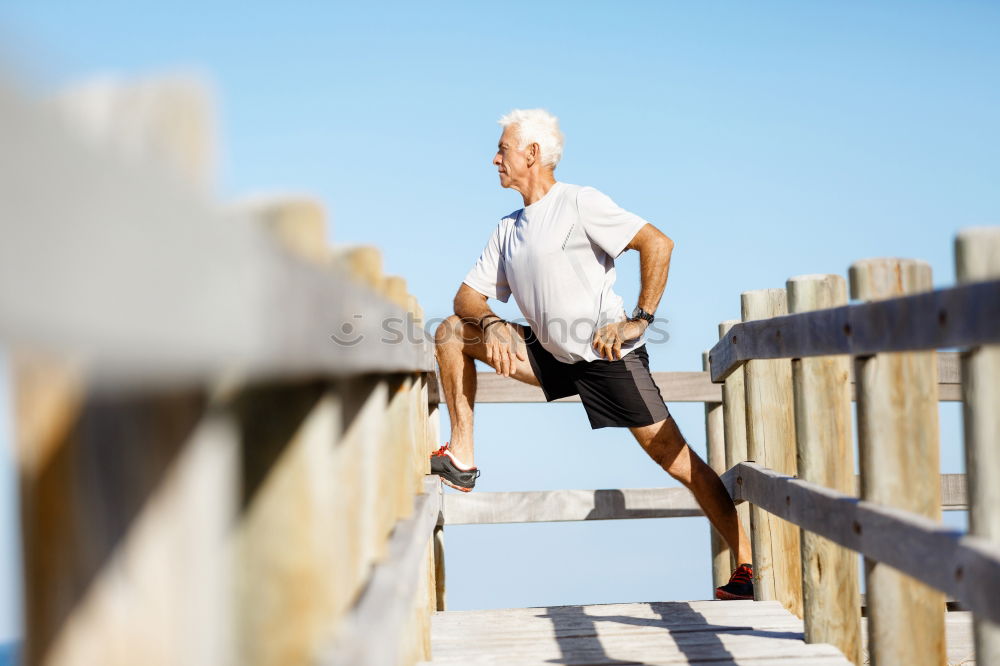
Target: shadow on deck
column 723, row 632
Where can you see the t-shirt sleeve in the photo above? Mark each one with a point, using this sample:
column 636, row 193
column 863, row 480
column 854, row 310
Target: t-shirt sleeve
column 488, row 276
column 608, row 225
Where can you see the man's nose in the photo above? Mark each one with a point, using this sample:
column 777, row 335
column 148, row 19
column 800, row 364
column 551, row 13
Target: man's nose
column 496, row 159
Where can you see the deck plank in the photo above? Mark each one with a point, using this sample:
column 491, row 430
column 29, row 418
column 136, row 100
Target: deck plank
column 722, row 632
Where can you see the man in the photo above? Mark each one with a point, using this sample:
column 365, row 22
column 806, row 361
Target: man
column 556, row 256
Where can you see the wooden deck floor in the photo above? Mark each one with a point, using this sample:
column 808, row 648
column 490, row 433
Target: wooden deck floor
column 719, row 632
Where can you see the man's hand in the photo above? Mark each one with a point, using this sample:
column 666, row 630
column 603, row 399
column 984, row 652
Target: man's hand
column 608, row 340
column 503, row 347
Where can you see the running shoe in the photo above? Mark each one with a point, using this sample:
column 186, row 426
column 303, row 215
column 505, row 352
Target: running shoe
column 443, row 464
column 740, row 585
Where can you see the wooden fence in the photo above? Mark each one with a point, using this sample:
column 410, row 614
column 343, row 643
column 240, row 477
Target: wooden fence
column 206, row 475
column 793, row 353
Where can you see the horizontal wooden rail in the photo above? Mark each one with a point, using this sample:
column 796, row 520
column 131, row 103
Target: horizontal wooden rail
column 147, row 280
column 956, row 317
column 568, row 505
column 540, row 506
column 369, row 633
column 674, row 386
column 965, row 567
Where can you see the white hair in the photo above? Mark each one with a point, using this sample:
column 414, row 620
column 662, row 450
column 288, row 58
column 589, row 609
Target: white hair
column 537, row 126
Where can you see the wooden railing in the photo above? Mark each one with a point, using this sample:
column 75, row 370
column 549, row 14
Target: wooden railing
column 795, row 404
column 206, row 475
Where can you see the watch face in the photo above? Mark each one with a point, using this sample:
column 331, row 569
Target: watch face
column 639, row 313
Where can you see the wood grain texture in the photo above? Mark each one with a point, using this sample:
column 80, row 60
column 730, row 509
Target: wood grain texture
column 126, row 505
column 899, row 460
column 957, row 317
column 963, row 566
column 568, row 505
column 977, row 257
column 770, row 425
column 389, row 597
column 715, row 446
column 285, row 544
column 822, row 401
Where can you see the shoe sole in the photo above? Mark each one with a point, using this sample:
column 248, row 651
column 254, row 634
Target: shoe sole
column 452, row 485
column 722, row 595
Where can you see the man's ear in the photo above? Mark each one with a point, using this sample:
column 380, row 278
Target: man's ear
column 533, row 152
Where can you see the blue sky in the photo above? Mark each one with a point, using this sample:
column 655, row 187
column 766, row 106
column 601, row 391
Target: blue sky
column 767, row 139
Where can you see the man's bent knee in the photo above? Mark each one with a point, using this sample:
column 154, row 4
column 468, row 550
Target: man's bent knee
column 452, row 332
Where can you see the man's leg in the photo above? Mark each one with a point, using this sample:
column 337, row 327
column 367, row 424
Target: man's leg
column 665, row 444
column 457, row 344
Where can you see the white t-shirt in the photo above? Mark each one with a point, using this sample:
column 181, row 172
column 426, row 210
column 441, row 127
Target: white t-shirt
column 557, row 257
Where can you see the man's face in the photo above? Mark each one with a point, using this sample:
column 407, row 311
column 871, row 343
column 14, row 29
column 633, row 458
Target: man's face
column 511, row 163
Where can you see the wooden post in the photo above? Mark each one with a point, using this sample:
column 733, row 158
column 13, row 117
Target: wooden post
column 771, row 442
column 297, row 223
column 127, row 499
column 735, row 431
column 898, row 442
column 716, row 452
column 977, row 257
column 822, row 401
column 358, row 470
column 434, row 437
column 167, row 120
column 439, row 571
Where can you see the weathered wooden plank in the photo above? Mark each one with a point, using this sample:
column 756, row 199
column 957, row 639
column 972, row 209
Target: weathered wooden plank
column 770, row 420
column 568, row 505
column 648, row 633
column 367, row 633
column 675, row 386
column 899, row 460
column 483, row 508
column 961, row 316
column 963, row 566
column 952, row 489
column 715, row 446
column 977, row 257
column 822, row 400
column 165, row 324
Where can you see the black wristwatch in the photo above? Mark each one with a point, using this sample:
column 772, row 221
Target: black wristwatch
column 639, row 313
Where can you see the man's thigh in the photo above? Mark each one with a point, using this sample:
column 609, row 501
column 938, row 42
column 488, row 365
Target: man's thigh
column 472, row 340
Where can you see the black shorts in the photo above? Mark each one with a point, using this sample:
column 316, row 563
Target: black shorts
column 615, row 393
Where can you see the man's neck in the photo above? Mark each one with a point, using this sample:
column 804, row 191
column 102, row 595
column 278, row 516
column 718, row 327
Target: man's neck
column 538, row 187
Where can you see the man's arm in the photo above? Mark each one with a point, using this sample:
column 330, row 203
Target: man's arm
column 654, row 249
column 502, row 344
column 470, row 305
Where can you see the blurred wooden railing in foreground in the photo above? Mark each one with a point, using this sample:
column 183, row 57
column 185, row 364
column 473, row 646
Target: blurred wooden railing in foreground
column 207, row 476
